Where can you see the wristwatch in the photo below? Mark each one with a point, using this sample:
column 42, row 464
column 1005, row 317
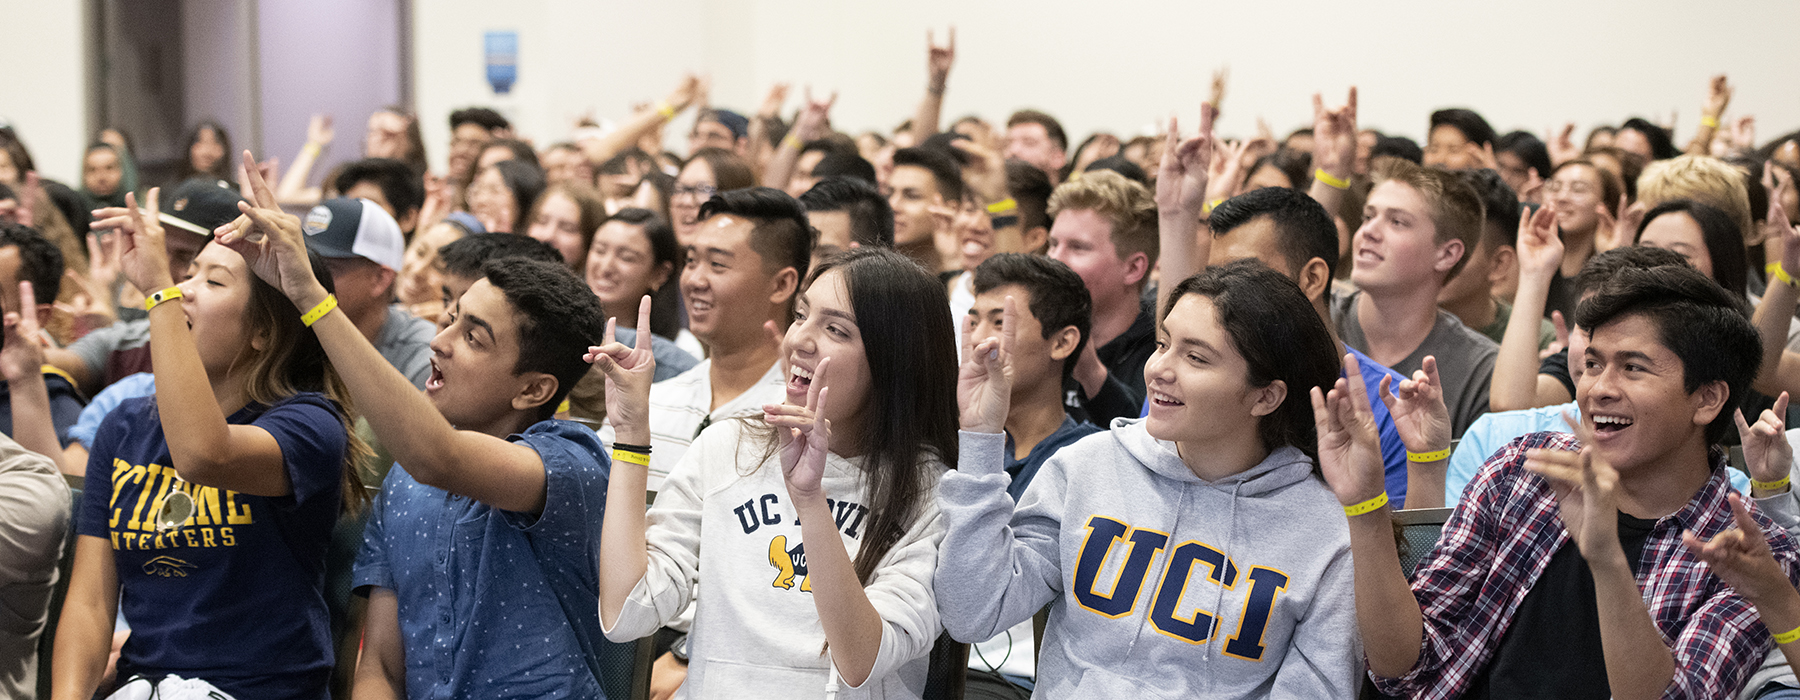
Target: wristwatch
column 679, row 649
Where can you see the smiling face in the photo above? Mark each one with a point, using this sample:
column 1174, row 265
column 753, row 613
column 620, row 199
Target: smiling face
column 472, row 381
column 1575, row 191
column 558, row 223
column 1632, row 395
column 385, row 136
column 1679, row 232
column 420, row 271
column 621, row 266
column 728, row 291
column 1396, row 246
column 1031, row 142
column 825, row 327
column 491, row 201
column 1447, row 147
column 1198, row 383
column 693, row 187
column 216, row 300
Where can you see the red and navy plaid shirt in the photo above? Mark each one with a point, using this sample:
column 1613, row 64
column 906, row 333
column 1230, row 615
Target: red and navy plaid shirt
column 1499, row 540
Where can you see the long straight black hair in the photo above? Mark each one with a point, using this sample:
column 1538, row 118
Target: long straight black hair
column 910, row 416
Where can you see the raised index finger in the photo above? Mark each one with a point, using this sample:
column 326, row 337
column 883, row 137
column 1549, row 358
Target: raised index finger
column 258, row 186
column 1009, row 328
column 643, row 325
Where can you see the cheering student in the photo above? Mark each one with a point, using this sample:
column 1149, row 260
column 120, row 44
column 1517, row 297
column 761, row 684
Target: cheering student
column 491, row 519
column 804, row 539
column 1192, row 553
column 209, row 529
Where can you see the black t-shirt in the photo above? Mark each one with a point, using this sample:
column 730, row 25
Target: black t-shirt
column 1552, row 649
column 1561, row 298
column 1558, row 366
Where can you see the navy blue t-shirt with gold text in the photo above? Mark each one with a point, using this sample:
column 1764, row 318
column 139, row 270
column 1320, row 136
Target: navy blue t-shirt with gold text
column 234, row 596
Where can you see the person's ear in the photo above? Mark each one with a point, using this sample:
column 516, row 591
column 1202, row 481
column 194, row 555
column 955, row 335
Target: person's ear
column 44, row 312
column 1268, row 398
column 384, row 282
column 1708, row 400
column 1137, row 267
column 1504, row 258
column 783, row 286
column 537, row 390
column 1448, row 254
column 1033, row 239
column 1314, row 278
column 1062, row 343
column 660, row 275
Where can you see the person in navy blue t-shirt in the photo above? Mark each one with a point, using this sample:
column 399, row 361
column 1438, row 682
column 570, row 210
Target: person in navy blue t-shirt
column 209, row 529
column 480, row 559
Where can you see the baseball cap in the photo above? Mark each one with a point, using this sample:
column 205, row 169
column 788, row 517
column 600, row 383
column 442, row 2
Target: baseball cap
column 200, row 204
column 737, row 123
column 354, row 228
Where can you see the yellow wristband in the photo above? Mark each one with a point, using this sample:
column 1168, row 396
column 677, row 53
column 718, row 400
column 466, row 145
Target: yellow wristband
column 311, row 148
column 1426, row 457
column 1709, row 122
column 1333, row 181
column 151, row 301
column 1003, row 206
column 628, row 457
column 666, row 110
column 1211, row 205
column 1788, row 636
column 319, row 311
column 1775, row 485
column 1368, row 506
column 1781, row 274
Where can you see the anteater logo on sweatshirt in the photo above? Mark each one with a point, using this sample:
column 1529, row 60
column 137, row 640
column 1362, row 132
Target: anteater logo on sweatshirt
column 766, row 511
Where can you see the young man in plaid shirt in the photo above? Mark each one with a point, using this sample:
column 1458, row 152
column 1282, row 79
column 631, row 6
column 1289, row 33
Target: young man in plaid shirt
column 1561, row 573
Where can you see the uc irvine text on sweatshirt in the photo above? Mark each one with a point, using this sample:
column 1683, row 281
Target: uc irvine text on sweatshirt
column 1160, row 585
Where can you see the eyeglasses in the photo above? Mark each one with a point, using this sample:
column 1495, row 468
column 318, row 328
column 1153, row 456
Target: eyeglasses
column 701, row 192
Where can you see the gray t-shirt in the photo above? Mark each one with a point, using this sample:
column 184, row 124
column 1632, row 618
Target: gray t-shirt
column 1465, row 360
column 405, row 342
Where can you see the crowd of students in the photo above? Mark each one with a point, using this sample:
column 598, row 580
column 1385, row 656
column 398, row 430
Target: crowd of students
column 1162, row 393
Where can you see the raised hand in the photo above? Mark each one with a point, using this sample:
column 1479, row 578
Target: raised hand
column 1718, row 97
column 1417, row 405
column 1743, row 134
column 1533, row 189
column 984, row 383
column 23, row 355
column 1349, row 445
column 1741, row 556
column 144, row 260
column 690, row 90
column 1767, row 455
column 1183, row 179
column 1562, row 145
column 938, row 60
column 1334, row 135
column 629, row 373
column 771, row 106
column 1220, row 78
column 1586, row 494
column 804, row 436
column 815, row 117
column 1225, row 173
column 1539, row 246
column 319, row 131
column 271, row 242
column 986, row 171
column 1615, row 232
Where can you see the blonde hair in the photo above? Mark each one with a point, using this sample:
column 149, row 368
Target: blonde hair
column 1124, row 203
column 1456, row 209
column 1704, row 179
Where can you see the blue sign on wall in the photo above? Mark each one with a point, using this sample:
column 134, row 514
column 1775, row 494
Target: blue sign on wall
column 502, row 50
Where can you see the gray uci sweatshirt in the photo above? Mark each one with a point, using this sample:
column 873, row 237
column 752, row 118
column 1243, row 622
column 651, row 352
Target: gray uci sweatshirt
column 1160, row 585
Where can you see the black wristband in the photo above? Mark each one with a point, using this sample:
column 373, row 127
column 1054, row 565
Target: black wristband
column 640, row 449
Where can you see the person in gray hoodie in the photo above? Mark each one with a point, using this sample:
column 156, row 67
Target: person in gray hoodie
column 1195, row 552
